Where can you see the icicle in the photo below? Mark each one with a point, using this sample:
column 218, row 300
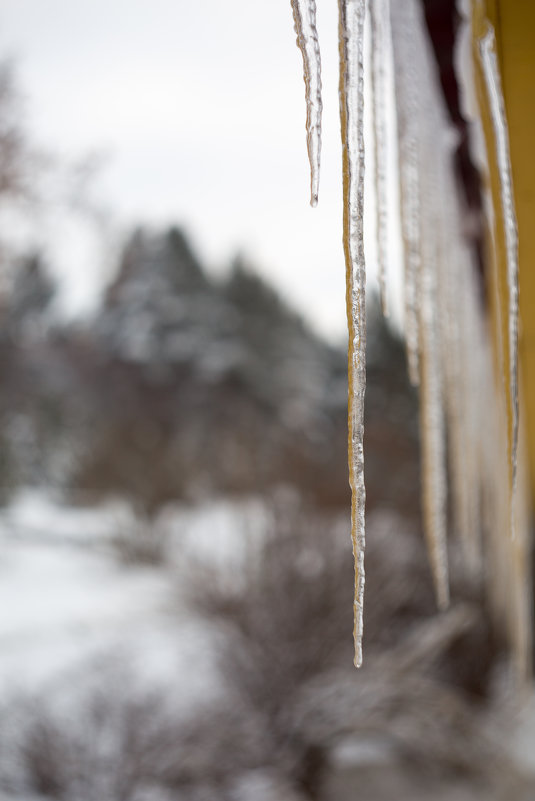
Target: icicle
column 449, row 346
column 457, row 311
column 380, row 30
column 464, row 424
column 406, row 82
column 431, row 376
column 422, row 133
column 499, row 123
column 433, row 451
column 451, row 354
column 304, row 12
column 351, row 13
column 509, row 585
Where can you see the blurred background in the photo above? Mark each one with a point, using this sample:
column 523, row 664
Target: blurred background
column 176, row 577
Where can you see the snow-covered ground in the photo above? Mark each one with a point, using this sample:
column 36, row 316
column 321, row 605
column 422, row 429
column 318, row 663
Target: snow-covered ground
column 67, row 594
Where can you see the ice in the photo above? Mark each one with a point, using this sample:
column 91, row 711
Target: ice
column 380, row 32
column 423, row 148
column 304, row 12
column 460, row 312
column 352, row 13
column 406, row 91
column 461, row 346
column 434, row 487
column 499, row 123
column 509, row 527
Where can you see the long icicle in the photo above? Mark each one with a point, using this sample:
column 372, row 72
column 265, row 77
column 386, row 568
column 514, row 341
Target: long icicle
column 421, row 126
column 460, row 311
column 304, row 12
column 491, row 74
column 351, row 20
column 432, row 367
column 434, row 484
column 407, row 109
column 380, row 31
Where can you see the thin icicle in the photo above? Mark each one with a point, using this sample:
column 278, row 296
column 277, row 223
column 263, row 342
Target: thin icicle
column 499, row 123
column 466, row 427
column 434, row 483
column 450, row 310
column 352, row 13
column 423, row 130
column 407, row 107
column 457, row 310
column 304, row 12
column 380, row 31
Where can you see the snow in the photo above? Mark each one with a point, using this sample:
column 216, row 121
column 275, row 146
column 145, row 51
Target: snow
column 73, row 614
column 67, row 598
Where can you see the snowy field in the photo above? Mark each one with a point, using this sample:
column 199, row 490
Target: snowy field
column 69, row 594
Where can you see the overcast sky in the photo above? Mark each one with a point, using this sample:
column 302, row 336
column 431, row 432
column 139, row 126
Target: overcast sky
column 199, row 107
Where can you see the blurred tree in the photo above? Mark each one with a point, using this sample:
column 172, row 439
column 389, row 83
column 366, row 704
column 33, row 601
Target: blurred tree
column 21, row 162
column 16, row 153
column 184, row 385
column 28, row 305
column 218, row 386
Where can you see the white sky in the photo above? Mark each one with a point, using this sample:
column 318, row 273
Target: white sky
column 199, row 106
